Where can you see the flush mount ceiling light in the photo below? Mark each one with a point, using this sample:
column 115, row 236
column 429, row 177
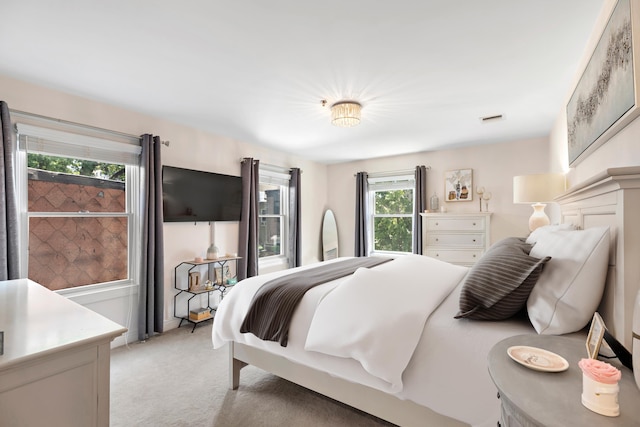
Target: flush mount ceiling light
column 345, row 114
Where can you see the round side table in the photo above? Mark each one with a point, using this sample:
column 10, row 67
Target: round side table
column 534, row 398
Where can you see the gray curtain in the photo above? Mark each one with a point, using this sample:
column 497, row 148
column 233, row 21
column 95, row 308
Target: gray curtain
column 151, row 299
column 361, row 215
column 294, row 218
column 248, row 234
column 419, row 206
column 9, row 256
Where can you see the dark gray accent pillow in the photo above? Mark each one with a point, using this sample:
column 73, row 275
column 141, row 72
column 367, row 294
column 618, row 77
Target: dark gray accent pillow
column 498, row 285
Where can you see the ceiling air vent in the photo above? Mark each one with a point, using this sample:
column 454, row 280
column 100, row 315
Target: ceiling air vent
column 491, row 118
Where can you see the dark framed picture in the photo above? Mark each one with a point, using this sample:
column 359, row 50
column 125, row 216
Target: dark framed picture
column 596, row 333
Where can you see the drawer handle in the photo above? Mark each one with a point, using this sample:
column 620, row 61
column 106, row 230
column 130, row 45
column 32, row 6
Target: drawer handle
column 474, row 255
column 437, row 223
column 474, row 223
column 474, row 240
column 437, row 240
column 437, row 254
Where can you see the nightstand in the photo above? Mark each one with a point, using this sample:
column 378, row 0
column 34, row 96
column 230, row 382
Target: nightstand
column 534, row 398
column 458, row 238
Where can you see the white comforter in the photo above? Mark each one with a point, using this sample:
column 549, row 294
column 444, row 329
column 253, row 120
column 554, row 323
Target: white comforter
column 446, row 369
column 376, row 316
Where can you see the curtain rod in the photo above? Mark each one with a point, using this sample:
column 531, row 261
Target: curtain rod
column 391, row 173
column 268, row 166
column 79, row 125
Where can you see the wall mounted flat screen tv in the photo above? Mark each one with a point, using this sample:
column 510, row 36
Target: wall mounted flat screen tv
column 190, row 195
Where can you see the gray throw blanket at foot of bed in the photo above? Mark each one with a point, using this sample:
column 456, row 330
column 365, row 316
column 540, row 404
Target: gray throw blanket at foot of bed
column 273, row 305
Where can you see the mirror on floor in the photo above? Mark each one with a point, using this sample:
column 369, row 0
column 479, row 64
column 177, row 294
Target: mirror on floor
column 329, row 236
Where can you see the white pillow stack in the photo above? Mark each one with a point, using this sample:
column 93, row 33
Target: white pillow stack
column 571, row 285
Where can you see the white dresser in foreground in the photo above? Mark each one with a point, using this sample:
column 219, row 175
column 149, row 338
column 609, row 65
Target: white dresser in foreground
column 54, row 370
column 458, row 238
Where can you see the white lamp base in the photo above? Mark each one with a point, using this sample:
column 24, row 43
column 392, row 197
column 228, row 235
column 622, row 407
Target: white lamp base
column 538, row 218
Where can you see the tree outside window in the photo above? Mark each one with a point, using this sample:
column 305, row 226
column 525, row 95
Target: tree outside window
column 391, row 201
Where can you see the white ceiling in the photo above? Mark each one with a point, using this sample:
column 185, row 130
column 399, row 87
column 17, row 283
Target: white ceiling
column 425, row 71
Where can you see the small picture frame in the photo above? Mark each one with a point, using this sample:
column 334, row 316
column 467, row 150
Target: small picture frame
column 458, row 185
column 596, row 333
column 222, row 274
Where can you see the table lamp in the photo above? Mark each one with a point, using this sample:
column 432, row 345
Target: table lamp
column 537, row 189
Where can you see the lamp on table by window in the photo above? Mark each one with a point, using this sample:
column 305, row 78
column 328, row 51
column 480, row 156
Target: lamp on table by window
column 537, row 189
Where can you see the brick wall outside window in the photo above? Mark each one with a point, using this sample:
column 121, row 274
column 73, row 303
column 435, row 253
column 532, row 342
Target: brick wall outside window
column 67, row 252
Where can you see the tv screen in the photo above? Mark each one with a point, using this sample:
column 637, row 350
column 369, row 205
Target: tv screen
column 190, row 195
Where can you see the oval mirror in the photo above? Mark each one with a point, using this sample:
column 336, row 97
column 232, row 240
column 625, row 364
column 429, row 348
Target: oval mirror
column 329, row 236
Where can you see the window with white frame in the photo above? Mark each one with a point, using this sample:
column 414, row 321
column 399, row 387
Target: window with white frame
column 391, row 201
column 273, row 214
column 79, row 195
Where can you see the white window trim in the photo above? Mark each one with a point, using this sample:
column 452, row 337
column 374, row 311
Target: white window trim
column 42, row 139
column 381, row 182
column 276, row 175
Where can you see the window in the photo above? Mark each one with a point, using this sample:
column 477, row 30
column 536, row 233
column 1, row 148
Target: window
column 391, row 201
column 79, row 201
column 273, row 214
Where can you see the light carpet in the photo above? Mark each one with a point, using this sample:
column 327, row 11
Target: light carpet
column 178, row 379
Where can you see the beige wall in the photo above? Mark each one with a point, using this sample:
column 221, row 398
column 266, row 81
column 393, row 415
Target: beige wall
column 494, row 167
column 190, row 148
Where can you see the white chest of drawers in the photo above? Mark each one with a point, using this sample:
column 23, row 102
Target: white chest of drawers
column 458, row 238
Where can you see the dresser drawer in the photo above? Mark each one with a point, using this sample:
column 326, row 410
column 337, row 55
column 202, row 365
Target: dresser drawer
column 457, row 224
column 471, row 240
column 456, row 256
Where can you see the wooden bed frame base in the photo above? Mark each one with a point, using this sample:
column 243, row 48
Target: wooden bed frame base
column 367, row 399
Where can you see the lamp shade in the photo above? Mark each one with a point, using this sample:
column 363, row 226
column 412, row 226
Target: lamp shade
column 537, row 188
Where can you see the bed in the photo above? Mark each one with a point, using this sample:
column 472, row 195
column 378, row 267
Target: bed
column 438, row 374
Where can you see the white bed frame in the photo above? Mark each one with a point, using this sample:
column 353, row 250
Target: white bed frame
column 611, row 198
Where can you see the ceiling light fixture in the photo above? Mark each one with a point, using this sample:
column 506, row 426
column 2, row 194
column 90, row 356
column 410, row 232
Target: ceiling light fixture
column 345, row 114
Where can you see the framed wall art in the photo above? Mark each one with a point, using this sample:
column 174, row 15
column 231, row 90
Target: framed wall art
column 458, row 185
column 606, row 97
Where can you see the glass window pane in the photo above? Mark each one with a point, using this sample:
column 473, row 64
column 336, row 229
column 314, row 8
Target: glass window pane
column 60, row 184
column 394, row 202
column 392, row 234
column 70, row 252
column 269, row 199
column 269, row 237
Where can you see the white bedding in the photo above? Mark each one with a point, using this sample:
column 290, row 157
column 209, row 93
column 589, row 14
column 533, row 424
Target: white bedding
column 447, row 371
column 353, row 321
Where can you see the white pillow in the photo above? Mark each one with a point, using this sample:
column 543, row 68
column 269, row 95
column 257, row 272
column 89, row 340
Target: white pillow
column 571, row 285
column 535, row 234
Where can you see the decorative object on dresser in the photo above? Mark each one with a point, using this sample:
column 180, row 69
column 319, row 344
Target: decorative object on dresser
column 480, row 192
column 459, row 238
column 486, row 197
column 458, row 185
column 434, row 203
column 535, row 190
